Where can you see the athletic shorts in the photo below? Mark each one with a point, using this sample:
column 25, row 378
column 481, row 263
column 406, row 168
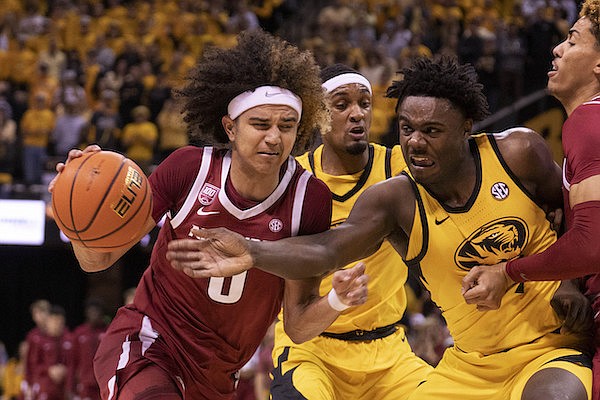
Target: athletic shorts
column 328, row 368
column 132, row 344
column 503, row 375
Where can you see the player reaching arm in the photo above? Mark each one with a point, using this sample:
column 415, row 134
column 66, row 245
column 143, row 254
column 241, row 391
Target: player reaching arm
column 372, row 220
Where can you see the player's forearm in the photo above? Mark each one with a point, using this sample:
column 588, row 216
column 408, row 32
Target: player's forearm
column 294, row 258
column 574, row 255
column 93, row 261
column 310, row 322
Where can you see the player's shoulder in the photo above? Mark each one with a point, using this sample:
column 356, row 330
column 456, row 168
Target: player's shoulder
column 184, row 158
column 519, row 142
column 586, row 112
column 304, row 159
column 314, row 185
column 398, row 189
column 515, row 133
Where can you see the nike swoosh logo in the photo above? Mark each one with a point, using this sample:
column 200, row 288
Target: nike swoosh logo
column 267, row 94
column 202, row 212
column 438, row 222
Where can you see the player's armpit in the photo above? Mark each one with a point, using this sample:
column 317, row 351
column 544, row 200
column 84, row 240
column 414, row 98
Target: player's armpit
column 586, row 190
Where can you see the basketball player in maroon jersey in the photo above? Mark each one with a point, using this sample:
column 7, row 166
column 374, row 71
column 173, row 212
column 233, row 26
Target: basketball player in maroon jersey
column 575, row 81
column 186, row 338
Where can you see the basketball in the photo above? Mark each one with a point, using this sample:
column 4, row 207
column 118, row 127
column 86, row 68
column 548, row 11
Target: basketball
column 101, row 200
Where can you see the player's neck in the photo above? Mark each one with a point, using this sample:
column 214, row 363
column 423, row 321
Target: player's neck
column 341, row 162
column 582, row 97
column 254, row 186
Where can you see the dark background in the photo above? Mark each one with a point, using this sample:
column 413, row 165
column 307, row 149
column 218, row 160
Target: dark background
column 51, row 272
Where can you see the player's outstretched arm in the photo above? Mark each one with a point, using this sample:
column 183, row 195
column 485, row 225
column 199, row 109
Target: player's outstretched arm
column 214, row 252
column 306, row 314
column 373, row 218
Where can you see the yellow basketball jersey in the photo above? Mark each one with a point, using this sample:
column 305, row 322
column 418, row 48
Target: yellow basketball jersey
column 499, row 222
column 387, row 273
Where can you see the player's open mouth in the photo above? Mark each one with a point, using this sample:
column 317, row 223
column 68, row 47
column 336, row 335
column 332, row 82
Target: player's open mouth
column 421, row 161
column 357, row 132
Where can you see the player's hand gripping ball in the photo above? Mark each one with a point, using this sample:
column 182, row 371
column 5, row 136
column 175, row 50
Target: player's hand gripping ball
column 102, row 200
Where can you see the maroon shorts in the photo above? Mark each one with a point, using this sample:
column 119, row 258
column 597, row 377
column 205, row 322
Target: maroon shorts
column 130, row 346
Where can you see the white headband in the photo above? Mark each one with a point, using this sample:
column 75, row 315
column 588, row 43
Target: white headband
column 263, row 95
column 344, row 79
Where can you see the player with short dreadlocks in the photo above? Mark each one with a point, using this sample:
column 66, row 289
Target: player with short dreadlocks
column 466, row 199
column 444, row 79
column 186, row 337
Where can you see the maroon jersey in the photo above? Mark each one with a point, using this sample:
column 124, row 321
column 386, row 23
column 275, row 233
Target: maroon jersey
column 85, row 339
column 211, row 327
column 33, row 339
column 47, row 352
column 581, row 141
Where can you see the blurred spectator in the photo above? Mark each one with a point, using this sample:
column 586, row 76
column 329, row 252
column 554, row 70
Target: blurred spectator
column 336, row 17
column 54, row 58
column 33, row 23
column 542, row 34
column 512, row 53
column 415, row 49
column 69, row 129
column 36, row 126
column 395, row 36
column 47, row 361
column 70, row 93
column 139, row 138
column 39, row 309
column 105, row 124
column 157, row 95
column 8, row 136
column 130, row 93
column 85, row 339
column 14, row 374
column 487, row 69
column 429, row 337
column 470, row 43
column 172, row 129
column 242, row 18
column 44, row 83
column 104, row 54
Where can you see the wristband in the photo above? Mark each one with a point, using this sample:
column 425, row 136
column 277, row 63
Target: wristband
column 334, row 301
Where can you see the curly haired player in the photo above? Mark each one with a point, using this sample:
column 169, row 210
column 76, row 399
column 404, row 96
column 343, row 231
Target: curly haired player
column 184, row 337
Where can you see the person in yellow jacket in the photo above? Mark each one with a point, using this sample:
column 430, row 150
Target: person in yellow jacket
column 13, row 375
column 365, row 344
column 139, row 138
column 36, row 126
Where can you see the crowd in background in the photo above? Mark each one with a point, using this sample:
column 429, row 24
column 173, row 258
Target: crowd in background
column 75, row 72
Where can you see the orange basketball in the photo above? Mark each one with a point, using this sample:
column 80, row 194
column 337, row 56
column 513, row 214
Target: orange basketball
column 102, row 200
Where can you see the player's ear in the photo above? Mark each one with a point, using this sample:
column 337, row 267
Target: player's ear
column 468, row 127
column 228, row 125
column 597, row 68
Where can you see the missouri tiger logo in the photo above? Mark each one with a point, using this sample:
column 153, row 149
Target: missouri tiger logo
column 495, row 242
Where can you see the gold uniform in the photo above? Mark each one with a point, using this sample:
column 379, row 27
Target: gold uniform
column 368, row 355
column 495, row 352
